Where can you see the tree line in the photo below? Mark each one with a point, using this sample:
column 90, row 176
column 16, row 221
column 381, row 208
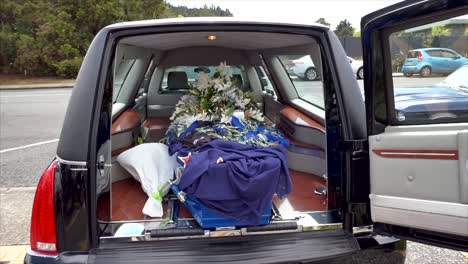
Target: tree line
column 343, row 29
column 50, row 37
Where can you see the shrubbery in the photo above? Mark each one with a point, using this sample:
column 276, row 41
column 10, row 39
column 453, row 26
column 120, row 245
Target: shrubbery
column 68, row 68
column 50, row 38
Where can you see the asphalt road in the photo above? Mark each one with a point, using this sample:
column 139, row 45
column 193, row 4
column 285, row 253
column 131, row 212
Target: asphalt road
column 30, row 125
column 29, row 117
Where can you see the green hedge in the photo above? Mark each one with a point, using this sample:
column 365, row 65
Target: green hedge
column 50, row 38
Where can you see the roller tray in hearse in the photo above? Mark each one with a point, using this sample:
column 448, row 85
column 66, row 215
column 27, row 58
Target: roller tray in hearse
column 207, row 218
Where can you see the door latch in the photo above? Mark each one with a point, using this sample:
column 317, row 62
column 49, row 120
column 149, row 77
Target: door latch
column 101, row 164
column 359, row 146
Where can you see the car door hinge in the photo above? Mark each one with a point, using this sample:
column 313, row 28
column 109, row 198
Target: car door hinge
column 358, row 208
column 355, row 146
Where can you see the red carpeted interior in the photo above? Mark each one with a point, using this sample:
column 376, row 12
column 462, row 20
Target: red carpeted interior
column 128, row 198
column 302, row 198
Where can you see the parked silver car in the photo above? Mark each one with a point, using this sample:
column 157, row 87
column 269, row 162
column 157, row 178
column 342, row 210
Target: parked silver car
column 304, row 68
column 356, row 65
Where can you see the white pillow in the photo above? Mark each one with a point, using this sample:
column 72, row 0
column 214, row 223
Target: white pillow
column 151, row 165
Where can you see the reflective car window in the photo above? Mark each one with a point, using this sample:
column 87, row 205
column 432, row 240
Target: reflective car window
column 434, row 53
column 429, row 68
column 305, row 76
column 447, row 54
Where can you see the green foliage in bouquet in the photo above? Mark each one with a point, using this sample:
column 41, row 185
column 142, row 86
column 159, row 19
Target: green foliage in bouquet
column 214, row 100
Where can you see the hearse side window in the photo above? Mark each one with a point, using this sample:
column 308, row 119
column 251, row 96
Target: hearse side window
column 304, row 75
column 121, row 73
column 429, row 65
column 178, row 79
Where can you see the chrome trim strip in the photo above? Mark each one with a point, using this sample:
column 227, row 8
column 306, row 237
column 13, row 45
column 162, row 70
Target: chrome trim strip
column 418, row 153
column 363, row 229
column 149, row 238
column 160, row 107
column 123, row 239
column 70, row 162
column 323, row 227
column 214, row 234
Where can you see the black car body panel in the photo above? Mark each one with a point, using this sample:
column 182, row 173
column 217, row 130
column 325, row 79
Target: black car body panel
column 72, row 212
column 75, row 137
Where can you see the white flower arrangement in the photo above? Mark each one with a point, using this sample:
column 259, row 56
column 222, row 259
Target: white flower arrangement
column 213, row 100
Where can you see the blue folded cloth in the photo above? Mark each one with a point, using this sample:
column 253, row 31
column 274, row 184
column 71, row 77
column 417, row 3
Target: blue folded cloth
column 235, row 180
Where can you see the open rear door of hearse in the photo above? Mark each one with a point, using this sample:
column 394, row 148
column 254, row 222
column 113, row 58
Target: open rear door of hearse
column 418, row 125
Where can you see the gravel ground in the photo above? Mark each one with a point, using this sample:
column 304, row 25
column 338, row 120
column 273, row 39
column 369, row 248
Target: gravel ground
column 416, row 253
column 15, row 214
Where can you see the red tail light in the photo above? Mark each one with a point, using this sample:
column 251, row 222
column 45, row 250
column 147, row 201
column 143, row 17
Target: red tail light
column 43, row 234
column 420, row 56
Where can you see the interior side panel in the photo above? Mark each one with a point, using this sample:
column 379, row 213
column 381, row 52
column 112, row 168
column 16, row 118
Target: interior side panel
column 124, row 131
column 156, row 128
column 417, row 164
column 420, row 172
column 306, row 152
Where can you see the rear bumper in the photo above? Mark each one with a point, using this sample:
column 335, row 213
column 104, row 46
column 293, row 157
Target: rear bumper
column 33, row 257
column 36, row 258
column 297, row 247
column 279, row 248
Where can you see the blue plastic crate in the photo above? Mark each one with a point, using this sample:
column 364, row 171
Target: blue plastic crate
column 209, row 219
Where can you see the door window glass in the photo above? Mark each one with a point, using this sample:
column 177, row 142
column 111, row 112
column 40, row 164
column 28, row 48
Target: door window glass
column 304, row 73
column 434, row 53
column 429, row 68
column 121, row 72
column 447, row 54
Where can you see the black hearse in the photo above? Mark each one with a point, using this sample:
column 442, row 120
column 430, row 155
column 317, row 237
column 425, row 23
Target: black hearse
column 362, row 176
